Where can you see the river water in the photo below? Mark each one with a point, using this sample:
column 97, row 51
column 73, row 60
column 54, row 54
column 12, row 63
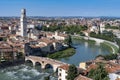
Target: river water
column 24, row 72
column 84, row 52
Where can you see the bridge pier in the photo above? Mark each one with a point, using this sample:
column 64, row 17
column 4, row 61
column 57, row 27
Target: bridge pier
column 55, row 68
column 33, row 63
column 42, row 66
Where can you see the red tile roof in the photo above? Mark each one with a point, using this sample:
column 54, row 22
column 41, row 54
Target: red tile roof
column 80, row 77
column 65, row 67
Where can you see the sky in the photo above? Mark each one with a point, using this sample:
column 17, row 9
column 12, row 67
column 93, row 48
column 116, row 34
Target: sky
column 61, row 7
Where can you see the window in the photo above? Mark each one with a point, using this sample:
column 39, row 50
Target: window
column 65, row 77
column 60, row 69
column 59, row 74
column 66, row 72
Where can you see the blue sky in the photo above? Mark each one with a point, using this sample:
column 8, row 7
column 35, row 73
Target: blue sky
column 61, row 7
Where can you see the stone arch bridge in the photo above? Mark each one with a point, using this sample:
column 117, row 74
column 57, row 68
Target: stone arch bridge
column 44, row 62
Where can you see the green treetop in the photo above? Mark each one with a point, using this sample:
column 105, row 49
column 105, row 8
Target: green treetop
column 72, row 72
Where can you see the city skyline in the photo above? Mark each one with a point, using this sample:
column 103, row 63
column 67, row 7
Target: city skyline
column 61, row 7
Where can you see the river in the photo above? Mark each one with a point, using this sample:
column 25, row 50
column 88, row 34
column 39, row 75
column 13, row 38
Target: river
column 84, row 52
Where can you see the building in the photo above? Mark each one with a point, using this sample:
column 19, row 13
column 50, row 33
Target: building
column 112, row 67
column 94, row 29
column 62, row 72
column 43, row 46
column 7, row 52
column 114, row 76
column 57, row 36
column 80, row 77
column 102, row 27
column 23, row 23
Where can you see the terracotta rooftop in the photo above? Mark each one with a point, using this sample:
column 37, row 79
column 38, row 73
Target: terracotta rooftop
column 46, row 40
column 4, row 45
column 62, row 35
column 38, row 46
column 65, row 67
column 92, row 66
column 110, row 67
column 49, row 34
column 80, row 77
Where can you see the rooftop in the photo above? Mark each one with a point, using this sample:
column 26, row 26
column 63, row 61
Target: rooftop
column 65, row 67
column 80, row 77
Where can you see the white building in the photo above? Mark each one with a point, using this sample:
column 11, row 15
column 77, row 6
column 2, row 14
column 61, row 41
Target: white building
column 31, row 26
column 62, row 72
column 23, row 23
column 57, row 36
column 114, row 76
column 60, row 36
column 94, row 29
column 30, row 34
column 102, row 27
column 51, row 45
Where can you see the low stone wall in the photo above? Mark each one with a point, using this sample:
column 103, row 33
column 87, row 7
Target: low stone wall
column 11, row 63
column 95, row 39
column 99, row 41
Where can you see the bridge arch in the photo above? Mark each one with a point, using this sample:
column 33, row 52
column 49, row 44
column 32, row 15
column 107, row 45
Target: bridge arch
column 48, row 66
column 37, row 63
column 53, row 67
column 29, row 60
column 38, row 66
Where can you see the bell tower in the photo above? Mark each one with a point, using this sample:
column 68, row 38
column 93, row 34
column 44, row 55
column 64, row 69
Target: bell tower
column 23, row 23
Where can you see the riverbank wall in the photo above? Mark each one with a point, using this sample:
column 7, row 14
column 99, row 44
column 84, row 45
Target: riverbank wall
column 6, row 64
column 98, row 41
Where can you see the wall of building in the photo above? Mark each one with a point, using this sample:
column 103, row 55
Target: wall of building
column 62, row 74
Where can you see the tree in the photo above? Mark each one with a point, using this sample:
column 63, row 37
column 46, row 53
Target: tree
column 99, row 73
column 72, row 72
column 20, row 55
column 118, row 43
column 47, row 78
column 107, row 35
column 110, row 56
column 68, row 41
column 3, row 39
column 99, row 30
column 83, row 28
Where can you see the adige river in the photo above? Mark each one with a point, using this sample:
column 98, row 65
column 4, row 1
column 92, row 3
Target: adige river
column 84, row 52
